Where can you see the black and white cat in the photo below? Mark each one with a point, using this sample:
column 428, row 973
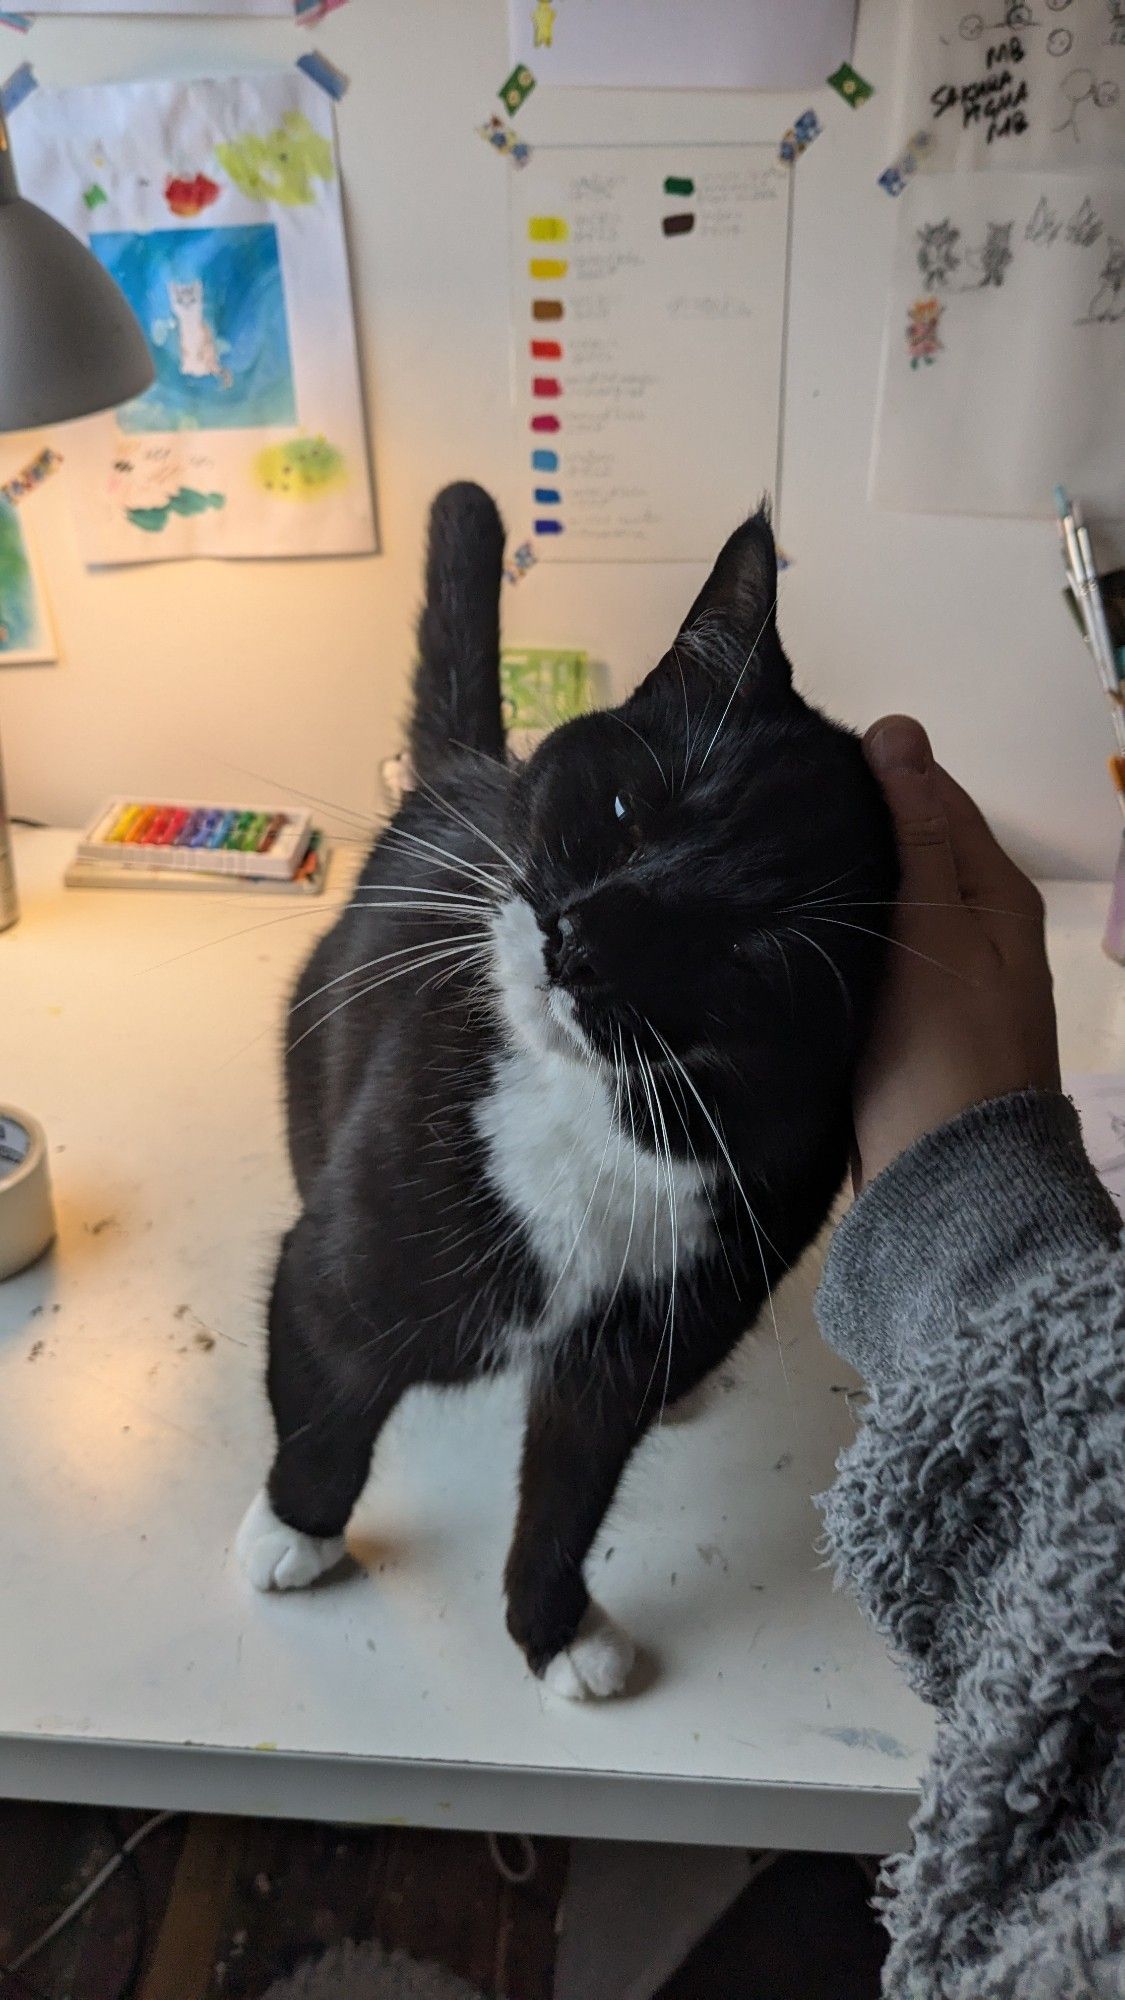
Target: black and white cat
column 568, row 1081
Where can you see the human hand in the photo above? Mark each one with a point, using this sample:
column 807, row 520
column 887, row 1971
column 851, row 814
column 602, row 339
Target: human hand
column 967, row 1011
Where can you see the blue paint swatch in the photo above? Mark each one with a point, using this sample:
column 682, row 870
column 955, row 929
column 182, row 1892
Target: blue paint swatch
column 544, row 461
column 547, row 496
column 548, row 527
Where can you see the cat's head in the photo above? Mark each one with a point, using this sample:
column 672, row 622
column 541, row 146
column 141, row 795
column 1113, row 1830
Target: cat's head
column 707, row 869
column 189, row 294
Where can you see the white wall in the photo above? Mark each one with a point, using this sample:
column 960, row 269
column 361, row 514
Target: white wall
column 183, row 678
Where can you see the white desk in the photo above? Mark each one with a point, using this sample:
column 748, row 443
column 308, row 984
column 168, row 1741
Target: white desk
column 135, row 1664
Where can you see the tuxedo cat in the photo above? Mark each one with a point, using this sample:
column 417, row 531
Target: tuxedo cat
column 568, row 1081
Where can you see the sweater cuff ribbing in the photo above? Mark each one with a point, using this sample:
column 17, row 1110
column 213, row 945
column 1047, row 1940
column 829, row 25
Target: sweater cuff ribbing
column 1003, row 1193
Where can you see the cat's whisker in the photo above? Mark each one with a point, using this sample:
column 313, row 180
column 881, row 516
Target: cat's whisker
column 739, row 681
column 356, row 971
column 882, row 938
column 465, row 821
column 916, row 903
column 645, row 745
column 620, row 1278
column 849, row 1013
column 470, row 869
column 674, row 1221
column 399, row 972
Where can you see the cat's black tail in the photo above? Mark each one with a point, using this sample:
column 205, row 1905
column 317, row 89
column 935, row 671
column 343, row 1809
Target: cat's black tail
column 457, row 679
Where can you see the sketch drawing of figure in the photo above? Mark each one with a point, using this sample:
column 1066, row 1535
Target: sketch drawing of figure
column 993, row 257
column 1108, row 302
column 1085, row 225
column 938, row 255
column 543, row 22
column 1116, row 24
column 1044, row 225
column 922, row 342
column 1080, row 86
column 1060, row 41
column 199, row 348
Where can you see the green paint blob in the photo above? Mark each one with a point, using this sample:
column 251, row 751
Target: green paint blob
column 283, row 165
column 18, row 620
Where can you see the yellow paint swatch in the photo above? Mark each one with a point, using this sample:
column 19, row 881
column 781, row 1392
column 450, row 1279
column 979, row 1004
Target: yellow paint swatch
column 547, row 267
column 547, row 229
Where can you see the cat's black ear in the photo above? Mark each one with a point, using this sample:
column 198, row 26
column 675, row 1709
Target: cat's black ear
column 742, row 592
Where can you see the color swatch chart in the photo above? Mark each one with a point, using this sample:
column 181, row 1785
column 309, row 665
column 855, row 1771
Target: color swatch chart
column 648, row 305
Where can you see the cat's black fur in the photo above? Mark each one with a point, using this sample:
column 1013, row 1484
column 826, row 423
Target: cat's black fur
column 710, row 867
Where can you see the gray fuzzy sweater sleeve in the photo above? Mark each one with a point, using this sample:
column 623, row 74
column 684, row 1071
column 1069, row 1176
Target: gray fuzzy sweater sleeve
column 979, row 1516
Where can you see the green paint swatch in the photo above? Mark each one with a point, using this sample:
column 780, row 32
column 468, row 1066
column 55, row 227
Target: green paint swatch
column 678, row 184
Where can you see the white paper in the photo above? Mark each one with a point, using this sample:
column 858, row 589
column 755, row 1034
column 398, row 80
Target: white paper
column 1101, row 1107
column 663, row 402
column 1015, row 83
column 708, row 44
column 1004, row 346
column 159, row 7
column 216, row 206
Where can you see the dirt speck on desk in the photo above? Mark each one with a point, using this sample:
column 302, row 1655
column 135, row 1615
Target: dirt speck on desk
column 35, row 1350
column 868, row 1739
column 104, row 1222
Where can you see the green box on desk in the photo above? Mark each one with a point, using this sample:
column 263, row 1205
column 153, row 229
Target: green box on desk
column 543, row 685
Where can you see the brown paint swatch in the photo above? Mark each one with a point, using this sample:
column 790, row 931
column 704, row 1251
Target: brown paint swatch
column 546, row 309
column 678, row 225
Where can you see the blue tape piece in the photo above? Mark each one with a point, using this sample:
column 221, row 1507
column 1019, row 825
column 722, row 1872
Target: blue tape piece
column 20, row 22
column 20, row 84
column 321, row 71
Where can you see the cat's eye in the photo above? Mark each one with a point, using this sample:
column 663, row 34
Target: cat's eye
column 623, row 808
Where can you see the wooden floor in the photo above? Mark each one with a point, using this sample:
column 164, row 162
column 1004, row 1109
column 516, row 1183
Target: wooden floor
column 215, row 1909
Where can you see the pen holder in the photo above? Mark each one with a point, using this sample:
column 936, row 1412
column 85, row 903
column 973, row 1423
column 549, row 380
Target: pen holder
column 1113, row 943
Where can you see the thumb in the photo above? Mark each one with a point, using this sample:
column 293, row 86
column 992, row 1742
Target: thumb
column 898, row 752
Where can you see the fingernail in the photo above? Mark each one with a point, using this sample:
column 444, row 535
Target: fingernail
column 899, row 744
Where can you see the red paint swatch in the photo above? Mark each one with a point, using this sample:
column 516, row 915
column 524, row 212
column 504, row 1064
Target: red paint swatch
column 546, row 385
column 546, row 350
column 545, row 424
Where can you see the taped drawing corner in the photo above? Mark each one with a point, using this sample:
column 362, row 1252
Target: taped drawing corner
column 800, row 135
column 517, row 87
column 33, row 474
column 320, row 71
column 20, row 22
column 19, row 85
column 505, row 139
column 520, row 561
column 309, row 12
column 851, row 86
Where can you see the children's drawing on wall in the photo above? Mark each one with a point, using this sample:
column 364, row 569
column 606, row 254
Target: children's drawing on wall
column 1108, row 302
column 922, row 342
column 212, row 305
column 1033, row 83
column 25, row 633
column 220, row 219
column 1024, row 307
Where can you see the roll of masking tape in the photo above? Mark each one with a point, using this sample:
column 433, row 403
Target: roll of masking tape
column 27, row 1222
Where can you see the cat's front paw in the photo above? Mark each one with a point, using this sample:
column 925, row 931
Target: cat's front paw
column 596, row 1663
column 277, row 1557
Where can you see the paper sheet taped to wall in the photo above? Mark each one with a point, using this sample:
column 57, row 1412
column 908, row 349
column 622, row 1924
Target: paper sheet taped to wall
column 159, row 7
column 648, row 303
column 1015, row 83
column 708, row 44
column 216, row 207
column 1004, row 345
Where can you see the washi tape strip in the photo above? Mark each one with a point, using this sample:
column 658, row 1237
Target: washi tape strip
column 308, row 12
column 516, row 87
column 853, row 88
column 506, row 140
column 32, row 476
column 894, row 178
column 521, row 560
column 20, row 22
column 20, row 84
column 801, row 134
column 319, row 70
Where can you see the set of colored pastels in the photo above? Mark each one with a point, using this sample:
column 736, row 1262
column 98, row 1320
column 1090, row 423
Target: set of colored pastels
column 207, row 839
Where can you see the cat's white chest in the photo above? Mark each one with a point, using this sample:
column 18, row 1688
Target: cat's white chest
column 598, row 1209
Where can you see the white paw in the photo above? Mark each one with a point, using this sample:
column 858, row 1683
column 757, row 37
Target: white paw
column 275, row 1557
column 596, row 1663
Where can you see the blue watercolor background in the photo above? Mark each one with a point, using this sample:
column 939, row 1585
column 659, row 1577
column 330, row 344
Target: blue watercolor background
column 243, row 304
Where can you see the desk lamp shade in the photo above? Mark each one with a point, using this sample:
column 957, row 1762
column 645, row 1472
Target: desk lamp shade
column 69, row 342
